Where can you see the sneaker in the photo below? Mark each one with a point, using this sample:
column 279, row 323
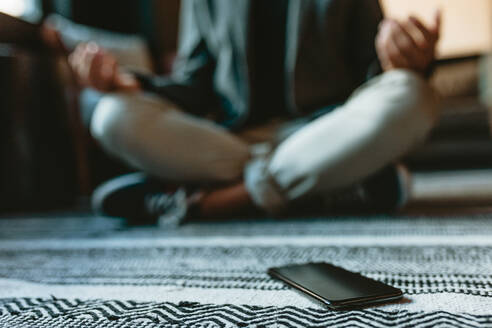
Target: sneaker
column 385, row 191
column 141, row 200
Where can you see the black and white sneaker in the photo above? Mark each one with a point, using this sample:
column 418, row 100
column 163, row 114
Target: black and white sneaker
column 141, row 200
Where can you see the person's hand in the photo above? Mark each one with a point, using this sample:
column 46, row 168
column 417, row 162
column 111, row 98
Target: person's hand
column 408, row 45
column 94, row 67
column 52, row 39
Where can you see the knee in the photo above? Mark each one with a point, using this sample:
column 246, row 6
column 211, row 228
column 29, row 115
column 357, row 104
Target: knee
column 415, row 100
column 117, row 117
column 108, row 119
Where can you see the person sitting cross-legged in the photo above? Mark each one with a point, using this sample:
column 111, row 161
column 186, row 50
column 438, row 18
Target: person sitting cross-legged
column 272, row 105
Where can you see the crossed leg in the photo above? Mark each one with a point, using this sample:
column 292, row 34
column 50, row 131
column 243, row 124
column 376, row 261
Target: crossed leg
column 382, row 120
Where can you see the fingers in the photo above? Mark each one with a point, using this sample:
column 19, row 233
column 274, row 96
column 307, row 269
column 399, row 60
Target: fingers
column 419, row 57
column 388, row 49
column 51, row 37
column 94, row 67
column 102, row 71
column 408, row 45
column 127, row 82
column 425, row 38
column 396, row 54
column 405, row 44
column 382, row 40
column 436, row 29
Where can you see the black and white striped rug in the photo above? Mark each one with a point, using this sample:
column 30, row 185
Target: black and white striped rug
column 83, row 271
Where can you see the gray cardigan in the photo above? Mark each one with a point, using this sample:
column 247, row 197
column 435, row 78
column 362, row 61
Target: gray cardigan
column 329, row 51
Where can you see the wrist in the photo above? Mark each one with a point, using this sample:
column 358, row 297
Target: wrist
column 127, row 82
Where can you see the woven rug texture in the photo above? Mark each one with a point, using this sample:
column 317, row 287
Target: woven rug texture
column 77, row 270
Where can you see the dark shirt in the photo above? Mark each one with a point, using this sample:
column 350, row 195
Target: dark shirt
column 268, row 34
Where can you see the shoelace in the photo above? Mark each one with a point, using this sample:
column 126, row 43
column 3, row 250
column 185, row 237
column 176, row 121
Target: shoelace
column 171, row 209
column 158, row 203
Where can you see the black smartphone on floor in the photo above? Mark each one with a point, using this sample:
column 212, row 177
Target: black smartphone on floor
column 336, row 287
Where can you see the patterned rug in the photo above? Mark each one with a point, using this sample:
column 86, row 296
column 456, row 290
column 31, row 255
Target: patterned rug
column 83, row 271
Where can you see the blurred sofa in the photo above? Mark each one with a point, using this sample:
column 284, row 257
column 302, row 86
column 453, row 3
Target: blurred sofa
column 461, row 139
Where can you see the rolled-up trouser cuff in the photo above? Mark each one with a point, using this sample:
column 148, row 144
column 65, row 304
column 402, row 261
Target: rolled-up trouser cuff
column 381, row 121
column 262, row 187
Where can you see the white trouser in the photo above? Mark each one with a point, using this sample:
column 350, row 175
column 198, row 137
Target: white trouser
column 380, row 122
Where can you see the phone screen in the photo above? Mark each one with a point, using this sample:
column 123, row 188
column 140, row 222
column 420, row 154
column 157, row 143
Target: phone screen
column 334, row 286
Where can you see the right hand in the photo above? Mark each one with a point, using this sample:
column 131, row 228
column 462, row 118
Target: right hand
column 94, row 67
column 408, row 44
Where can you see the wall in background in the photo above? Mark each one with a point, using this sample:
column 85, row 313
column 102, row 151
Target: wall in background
column 467, row 24
column 27, row 9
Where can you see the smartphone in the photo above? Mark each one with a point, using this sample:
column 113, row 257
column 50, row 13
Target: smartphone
column 336, row 287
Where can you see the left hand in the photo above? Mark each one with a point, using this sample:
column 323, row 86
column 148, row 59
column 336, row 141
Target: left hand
column 97, row 68
column 407, row 45
column 52, row 39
